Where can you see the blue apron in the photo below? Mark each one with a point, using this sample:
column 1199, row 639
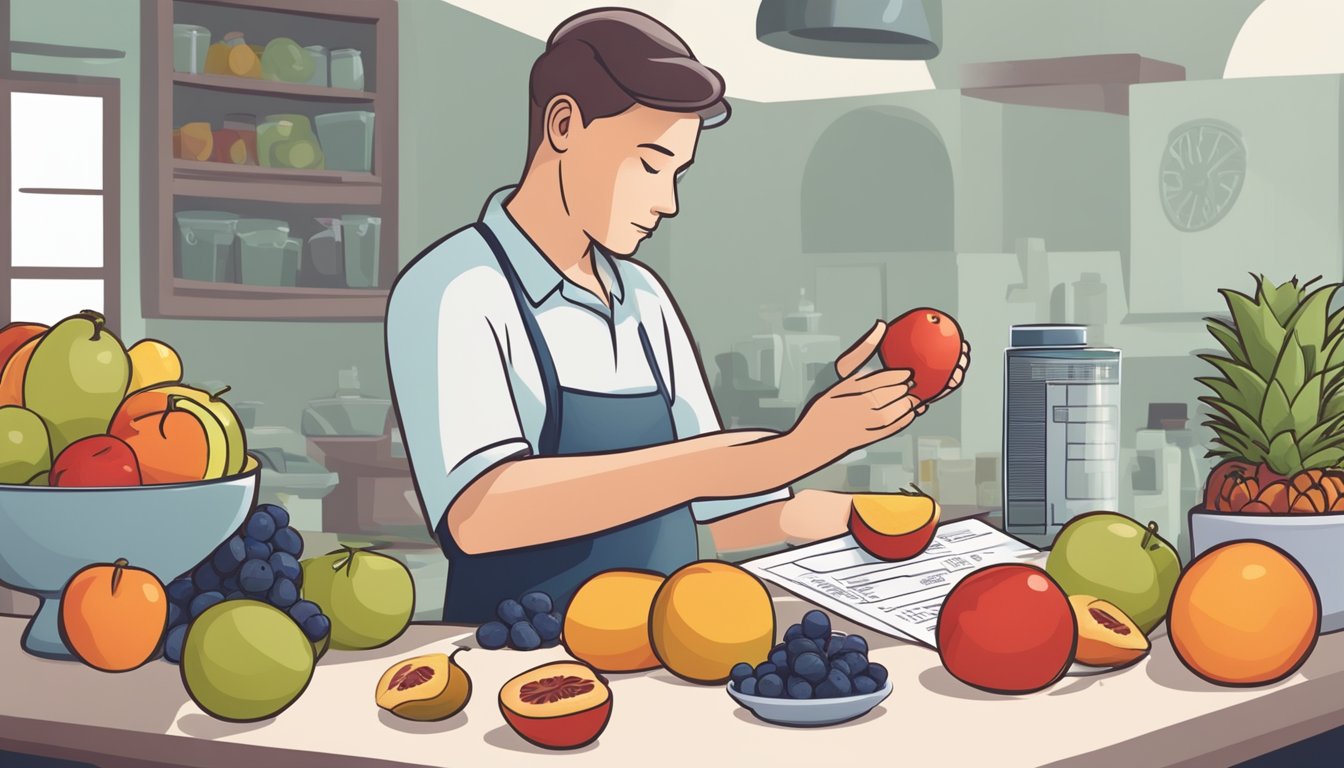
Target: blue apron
column 576, row 422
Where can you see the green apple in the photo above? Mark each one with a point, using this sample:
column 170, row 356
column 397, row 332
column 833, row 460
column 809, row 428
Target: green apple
column 369, row 597
column 1116, row 559
column 25, row 450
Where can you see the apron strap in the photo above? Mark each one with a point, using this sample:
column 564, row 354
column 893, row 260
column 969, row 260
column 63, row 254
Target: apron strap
column 550, row 426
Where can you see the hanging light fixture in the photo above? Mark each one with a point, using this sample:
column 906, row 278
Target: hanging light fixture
column 855, row 29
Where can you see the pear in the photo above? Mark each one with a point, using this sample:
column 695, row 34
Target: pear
column 25, row 450
column 76, row 378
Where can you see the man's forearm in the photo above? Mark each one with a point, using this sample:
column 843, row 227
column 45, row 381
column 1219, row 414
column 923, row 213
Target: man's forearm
column 551, row 498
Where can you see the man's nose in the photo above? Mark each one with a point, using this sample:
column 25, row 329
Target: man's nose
column 666, row 204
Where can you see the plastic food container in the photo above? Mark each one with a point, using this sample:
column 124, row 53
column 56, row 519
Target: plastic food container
column 347, row 69
column 318, row 54
column 205, row 245
column 264, row 248
column 360, row 235
column 347, row 140
column 287, row 141
column 190, row 45
column 324, row 260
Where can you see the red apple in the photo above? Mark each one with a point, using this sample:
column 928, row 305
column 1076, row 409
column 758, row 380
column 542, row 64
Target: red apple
column 926, row 342
column 1007, row 628
column 96, row 461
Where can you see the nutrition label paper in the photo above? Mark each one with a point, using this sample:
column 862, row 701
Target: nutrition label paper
column 898, row 599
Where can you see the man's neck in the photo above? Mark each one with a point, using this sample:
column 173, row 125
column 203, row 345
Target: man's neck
column 538, row 208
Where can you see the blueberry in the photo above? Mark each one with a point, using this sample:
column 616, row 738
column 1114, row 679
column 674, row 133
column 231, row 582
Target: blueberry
column 798, row 646
column 799, row 688
column 256, row 576
column 810, row 667
column 770, row 686
column 235, row 595
column 205, row 577
column 793, row 632
column 856, row 643
column 230, row 555
column 181, row 590
column 524, row 637
column 511, row 612
column 316, row 627
column 537, row 602
column 825, row 691
column 840, row 682
column 229, row 584
column 256, row 550
column 550, row 643
column 766, row 668
column 278, row 514
column 878, row 673
column 261, row 526
column 302, row 610
column 741, row 671
column 201, row 602
column 172, row 643
column 547, row 626
column 780, row 658
column 283, row 593
column 176, row 615
column 816, row 625
column 842, row 666
column 864, row 684
column 284, row 566
column 287, row 540
column 857, row 662
column 492, row 635
column 747, row 686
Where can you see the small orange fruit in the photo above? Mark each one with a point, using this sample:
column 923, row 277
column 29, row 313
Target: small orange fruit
column 1244, row 613
column 113, row 616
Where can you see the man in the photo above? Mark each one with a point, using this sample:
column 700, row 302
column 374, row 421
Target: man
column 556, row 417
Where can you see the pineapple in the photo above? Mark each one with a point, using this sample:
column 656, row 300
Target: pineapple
column 1278, row 403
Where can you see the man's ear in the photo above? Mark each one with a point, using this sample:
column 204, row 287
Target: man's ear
column 562, row 118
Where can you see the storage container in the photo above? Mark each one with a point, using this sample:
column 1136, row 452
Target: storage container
column 347, row 140
column 287, row 141
column 318, row 54
column 265, row 252
column 324, row 260
column 205, row 245
column 190, row 45
column 360, row 235
column 347, row 69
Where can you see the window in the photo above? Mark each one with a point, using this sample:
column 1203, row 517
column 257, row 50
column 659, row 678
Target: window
column 59, row 211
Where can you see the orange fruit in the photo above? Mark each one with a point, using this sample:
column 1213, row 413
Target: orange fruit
column 607, row 622
column 1244, row 613
column 708, row 616
column 113, row 615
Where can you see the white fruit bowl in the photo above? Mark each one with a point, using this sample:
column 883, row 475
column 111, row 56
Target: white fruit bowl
column 48, row 534
column 1316, row 541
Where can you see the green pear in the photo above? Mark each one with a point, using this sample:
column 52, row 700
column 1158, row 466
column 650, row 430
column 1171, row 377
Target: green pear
column 368, row 597
column 1114, row 558
column 76, row 378
column 25, row 450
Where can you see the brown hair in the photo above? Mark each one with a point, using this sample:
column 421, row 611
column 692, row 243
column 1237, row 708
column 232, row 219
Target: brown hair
column 609, row 59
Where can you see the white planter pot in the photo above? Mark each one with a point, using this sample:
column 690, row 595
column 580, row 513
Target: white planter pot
column 1315, row 541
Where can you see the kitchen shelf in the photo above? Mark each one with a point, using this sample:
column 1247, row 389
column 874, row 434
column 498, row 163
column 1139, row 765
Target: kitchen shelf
column 170, row 184
column 273, row 88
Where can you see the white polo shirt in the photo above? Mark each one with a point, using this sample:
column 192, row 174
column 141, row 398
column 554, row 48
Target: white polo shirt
column 466, row 382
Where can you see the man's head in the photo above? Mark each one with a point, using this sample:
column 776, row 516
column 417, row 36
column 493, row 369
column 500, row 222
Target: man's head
column 617, row 104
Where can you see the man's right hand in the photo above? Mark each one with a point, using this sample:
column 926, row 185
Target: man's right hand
column 861, row 408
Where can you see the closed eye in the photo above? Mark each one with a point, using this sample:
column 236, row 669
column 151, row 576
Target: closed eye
column 648, row 167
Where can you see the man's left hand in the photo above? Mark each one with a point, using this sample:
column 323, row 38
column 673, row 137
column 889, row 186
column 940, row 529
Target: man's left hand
column 812, row 515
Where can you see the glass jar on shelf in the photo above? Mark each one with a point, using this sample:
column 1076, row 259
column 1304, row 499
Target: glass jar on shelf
column 347, row 69
column 234, row 57
column 288, row 141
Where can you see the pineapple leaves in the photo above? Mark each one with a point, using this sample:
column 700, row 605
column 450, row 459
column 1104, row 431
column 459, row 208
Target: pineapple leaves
column 1281, row 300
column 1276, row 415
column 1259, row 331
column 1328, row 457
column 1284, row 456
column 1245, row 425
column 1227, row 337
column 1243, row 388
column 1306, row 406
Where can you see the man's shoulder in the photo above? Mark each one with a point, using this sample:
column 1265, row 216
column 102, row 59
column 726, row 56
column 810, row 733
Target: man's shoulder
column 460, row 263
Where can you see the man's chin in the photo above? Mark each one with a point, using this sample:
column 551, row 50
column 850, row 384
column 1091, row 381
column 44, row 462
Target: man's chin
column 623, row 248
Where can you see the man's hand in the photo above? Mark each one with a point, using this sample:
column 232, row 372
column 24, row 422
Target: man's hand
column 863, row 349
column 812, row 515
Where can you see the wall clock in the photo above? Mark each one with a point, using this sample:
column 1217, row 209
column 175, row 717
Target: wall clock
column 1202, row 171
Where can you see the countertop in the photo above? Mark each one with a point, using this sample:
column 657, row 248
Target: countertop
column 1153, row 713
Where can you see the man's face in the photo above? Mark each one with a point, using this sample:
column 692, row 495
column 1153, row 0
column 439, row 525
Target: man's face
column 620, row 173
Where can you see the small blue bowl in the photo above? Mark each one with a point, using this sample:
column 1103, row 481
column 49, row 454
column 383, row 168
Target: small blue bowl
column 48, row 534
column 810, row 713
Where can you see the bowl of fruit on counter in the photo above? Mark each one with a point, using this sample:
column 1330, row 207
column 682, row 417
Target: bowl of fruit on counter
column 1277, row 415
column 814, row 677
column 106, row 456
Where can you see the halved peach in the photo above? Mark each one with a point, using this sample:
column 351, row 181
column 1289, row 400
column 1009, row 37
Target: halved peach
column 893, row 526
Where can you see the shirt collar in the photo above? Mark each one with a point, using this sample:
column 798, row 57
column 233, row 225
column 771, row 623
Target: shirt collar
column 539, row 276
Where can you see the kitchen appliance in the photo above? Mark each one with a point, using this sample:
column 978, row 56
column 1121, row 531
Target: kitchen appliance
column 347, row 413
column 205, row 245
column 1061, row 424
column 856, row 29
column 289, row 477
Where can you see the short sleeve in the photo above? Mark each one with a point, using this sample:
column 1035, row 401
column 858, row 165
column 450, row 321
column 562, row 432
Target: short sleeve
column 450, row 372
column 693, row 409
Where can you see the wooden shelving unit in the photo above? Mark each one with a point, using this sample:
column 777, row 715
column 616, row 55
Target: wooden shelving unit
column 170, row 184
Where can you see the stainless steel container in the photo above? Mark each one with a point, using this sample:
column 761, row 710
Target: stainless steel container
column 1061, row 425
